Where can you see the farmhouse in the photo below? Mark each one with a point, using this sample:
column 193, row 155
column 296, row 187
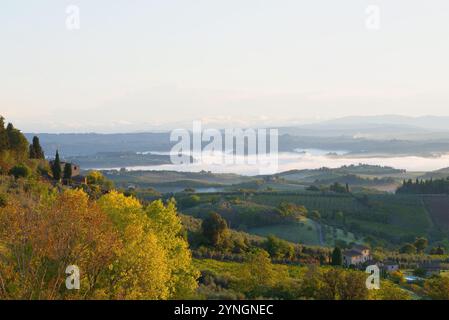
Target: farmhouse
column 357, row 255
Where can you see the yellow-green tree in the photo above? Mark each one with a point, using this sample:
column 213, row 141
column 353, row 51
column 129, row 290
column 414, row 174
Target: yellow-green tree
column 141, row 268
column 258, row 275
column 167, row 225
column 334, row 284
column 155, row 262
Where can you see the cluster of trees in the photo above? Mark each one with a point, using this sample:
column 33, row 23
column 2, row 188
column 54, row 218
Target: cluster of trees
column 439, row 186
column 418, row 246
column 123, row 249
column 214, row 239
column 57, row 172
column 13, row 146
column 335, row 187
column 15, row 152
column 339, row 188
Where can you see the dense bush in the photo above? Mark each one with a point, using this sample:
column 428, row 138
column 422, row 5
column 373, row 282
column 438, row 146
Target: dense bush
column 20, row 171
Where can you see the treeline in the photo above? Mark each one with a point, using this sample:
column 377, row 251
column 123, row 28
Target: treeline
column 353, row 179
column 439, row 186
column 335, row 187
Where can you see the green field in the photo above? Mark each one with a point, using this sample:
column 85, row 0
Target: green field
column 304, row 232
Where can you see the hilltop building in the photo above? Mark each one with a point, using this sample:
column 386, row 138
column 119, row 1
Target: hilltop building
column 76, row 170
column 77, row 178
column 357, row 255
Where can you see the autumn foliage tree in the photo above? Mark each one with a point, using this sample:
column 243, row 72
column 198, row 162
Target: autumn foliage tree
column 156, row 258
column 41, row 240
column 123, row 249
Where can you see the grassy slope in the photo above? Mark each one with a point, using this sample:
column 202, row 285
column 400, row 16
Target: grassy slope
column 304, row 232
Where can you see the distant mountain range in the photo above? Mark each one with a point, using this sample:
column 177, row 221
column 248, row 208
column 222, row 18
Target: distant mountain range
column 425, row 122
column 382, row 135
column 377, row 127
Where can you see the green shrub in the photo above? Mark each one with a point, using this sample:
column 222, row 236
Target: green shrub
column 20, row 171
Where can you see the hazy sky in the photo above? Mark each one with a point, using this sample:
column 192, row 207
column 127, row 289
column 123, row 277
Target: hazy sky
column 134, row 65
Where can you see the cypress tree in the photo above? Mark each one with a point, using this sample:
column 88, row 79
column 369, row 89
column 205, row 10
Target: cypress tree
column 337, row 257
column 56, row 168
column 32, row 152
column 36, row 151
column 4, row 142
column 67, row 171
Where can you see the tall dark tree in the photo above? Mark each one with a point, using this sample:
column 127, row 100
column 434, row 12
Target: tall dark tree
column 18, row 144
column 36, row 151
column 337, row 257
column 4, row 143
column 32, row 153
column 214, row 228
column 56, row 167
column 67, row 171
